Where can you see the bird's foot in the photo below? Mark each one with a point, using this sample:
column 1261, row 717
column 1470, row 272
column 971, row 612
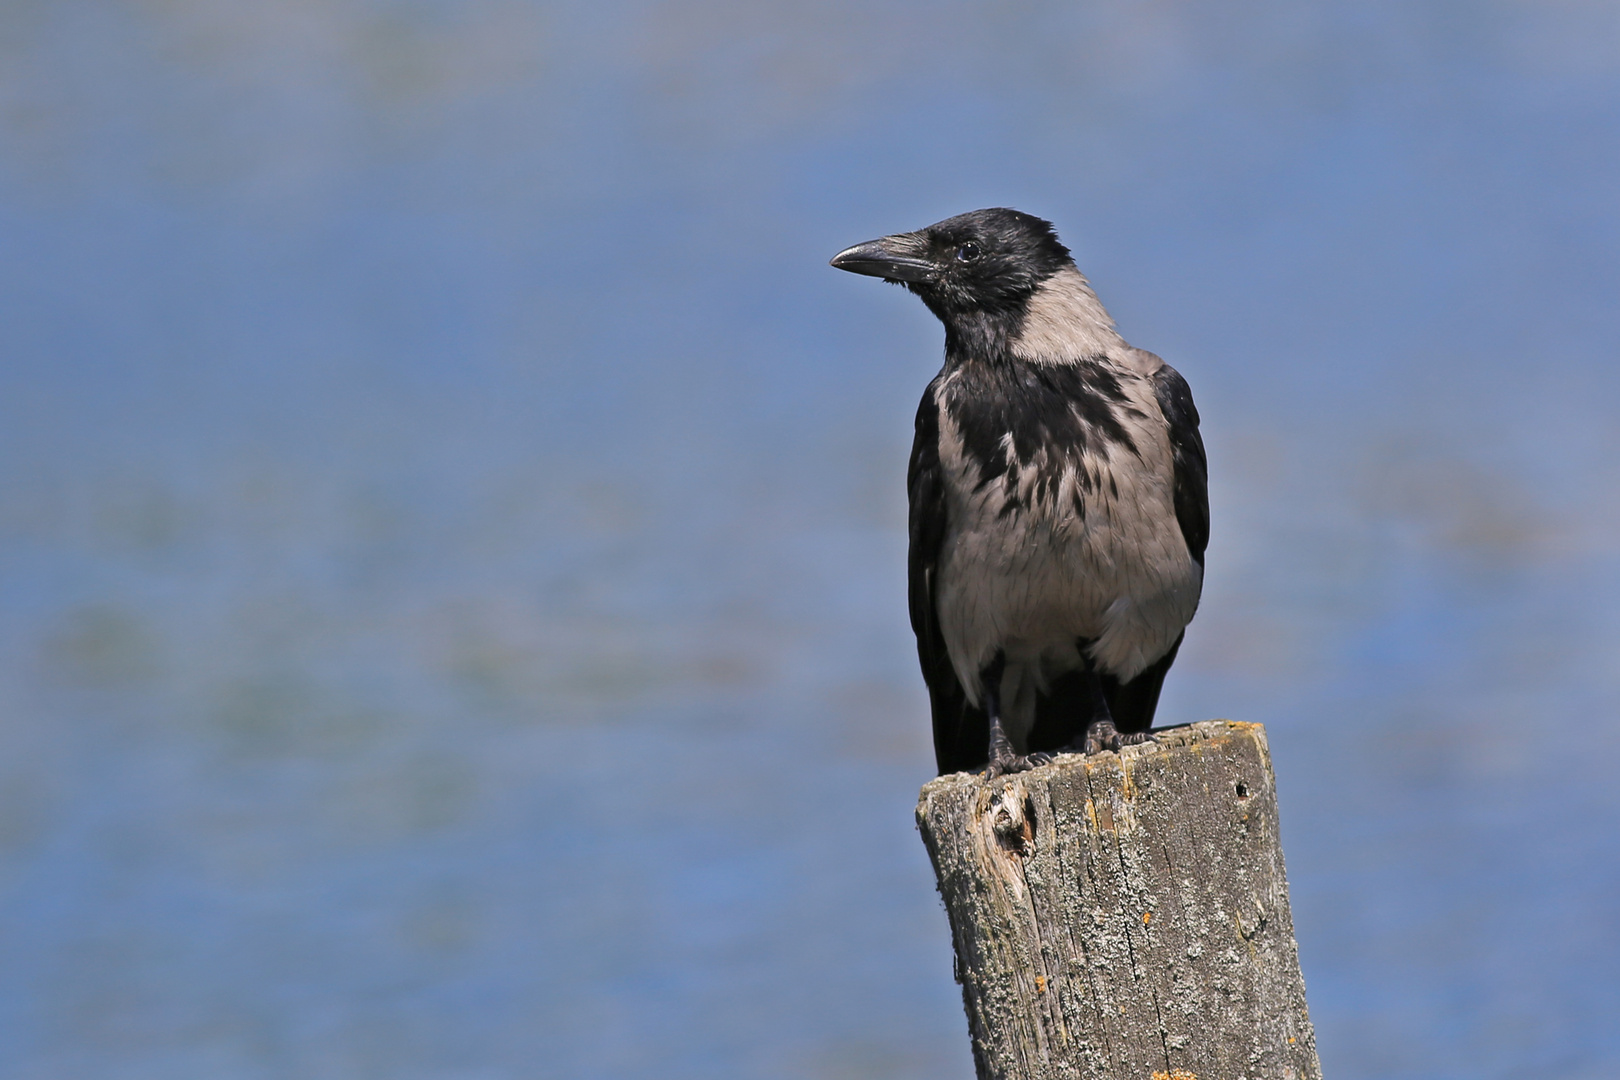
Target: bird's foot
column 1002, row 764
column 1103, row 735
column 1004, row 758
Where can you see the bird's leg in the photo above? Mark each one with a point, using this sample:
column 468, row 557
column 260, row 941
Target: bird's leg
column 1101, row 734
column 1004, row 758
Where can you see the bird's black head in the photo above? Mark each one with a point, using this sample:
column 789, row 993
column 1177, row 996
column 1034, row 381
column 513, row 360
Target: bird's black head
column 986, row 263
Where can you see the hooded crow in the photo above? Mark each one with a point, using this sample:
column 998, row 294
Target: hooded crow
column 1059, row 500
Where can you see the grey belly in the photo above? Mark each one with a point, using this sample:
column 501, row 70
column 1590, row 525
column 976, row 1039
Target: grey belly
column 1033, row 588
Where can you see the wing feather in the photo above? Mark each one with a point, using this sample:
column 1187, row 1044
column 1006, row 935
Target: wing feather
column 958, row 727
column 1191, row 467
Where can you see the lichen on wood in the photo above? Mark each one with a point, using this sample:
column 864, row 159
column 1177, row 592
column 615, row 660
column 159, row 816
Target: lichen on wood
column 1125, row 916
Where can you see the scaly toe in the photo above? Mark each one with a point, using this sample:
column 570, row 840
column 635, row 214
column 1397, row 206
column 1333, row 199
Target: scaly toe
column 1103, row 735
column 1014, row 763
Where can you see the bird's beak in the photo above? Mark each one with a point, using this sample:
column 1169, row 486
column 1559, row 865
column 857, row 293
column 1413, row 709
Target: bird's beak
column 893, row 258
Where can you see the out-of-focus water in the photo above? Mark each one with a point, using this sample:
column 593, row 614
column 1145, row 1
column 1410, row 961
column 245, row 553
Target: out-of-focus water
column 452, row 528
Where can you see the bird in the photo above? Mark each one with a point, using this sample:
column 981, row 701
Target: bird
column 1059, row 500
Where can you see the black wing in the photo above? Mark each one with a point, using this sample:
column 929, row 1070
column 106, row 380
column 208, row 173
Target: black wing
column 961, row 732
column 1192, row 470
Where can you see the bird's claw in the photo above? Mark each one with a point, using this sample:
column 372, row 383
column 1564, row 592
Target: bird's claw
column 1015, row 763
column 1103, row 735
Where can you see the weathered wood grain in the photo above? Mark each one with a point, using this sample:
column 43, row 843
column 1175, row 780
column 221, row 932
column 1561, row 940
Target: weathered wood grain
column 1125, row 916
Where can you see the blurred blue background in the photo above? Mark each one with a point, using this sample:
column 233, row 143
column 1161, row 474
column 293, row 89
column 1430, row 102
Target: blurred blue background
column 452, row 518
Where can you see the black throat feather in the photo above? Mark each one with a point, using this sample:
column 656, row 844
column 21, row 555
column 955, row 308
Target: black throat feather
column 1014, row 414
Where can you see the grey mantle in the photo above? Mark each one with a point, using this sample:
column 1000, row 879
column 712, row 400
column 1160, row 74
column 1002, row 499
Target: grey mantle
column 1125, row 916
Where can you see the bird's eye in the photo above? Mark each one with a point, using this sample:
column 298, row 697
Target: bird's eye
column 967, row 252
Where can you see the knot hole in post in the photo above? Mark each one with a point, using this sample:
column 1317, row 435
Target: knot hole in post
column 1012, row 817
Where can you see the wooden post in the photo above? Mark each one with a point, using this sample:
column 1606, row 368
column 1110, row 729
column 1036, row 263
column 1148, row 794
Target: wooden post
column 1125, row 916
